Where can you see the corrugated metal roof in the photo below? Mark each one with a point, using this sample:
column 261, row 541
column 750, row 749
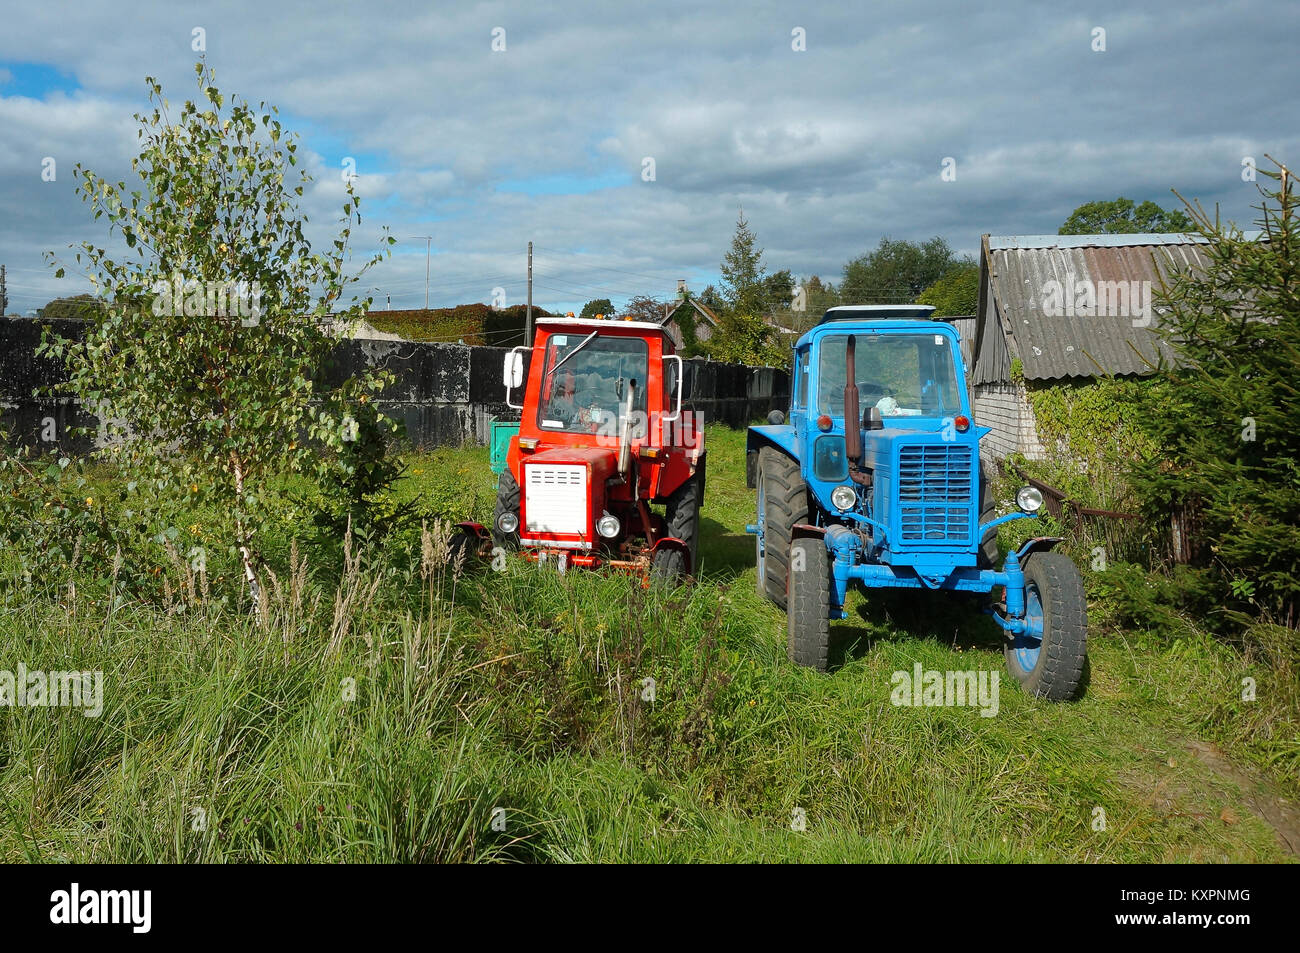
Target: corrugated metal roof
column 1083, row 341
column 965, row 325
column 1105, row 241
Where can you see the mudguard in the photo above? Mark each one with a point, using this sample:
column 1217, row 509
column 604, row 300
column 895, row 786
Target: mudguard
column 1039, row 544
column 672, row 542
column 781, row 436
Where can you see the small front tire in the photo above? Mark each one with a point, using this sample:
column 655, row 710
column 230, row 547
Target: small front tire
column 1051, row 666
column 507, row 502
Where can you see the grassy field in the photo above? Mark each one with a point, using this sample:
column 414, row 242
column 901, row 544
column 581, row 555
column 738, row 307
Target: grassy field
column 400, row 712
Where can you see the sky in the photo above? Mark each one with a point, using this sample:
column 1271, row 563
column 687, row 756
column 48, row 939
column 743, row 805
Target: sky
column 624, row 139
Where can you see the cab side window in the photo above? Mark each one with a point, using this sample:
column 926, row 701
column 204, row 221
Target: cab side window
column 801, row 379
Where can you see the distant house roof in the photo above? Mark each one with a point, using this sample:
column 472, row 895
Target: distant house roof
column 700, row 309
column 1018, row 275
column 704, row 311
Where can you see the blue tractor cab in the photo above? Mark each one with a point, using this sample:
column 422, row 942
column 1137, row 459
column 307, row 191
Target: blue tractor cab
column 874, row 479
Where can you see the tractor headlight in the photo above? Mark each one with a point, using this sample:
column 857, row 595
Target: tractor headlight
column 608, row 526
column 1029, row 499
column 507, row 523
column 844, row 497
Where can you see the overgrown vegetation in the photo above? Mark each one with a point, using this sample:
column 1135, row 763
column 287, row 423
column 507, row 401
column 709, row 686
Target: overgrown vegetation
column 465, row 323
column 402, row 711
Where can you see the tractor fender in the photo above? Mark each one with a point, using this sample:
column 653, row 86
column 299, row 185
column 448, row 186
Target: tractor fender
column 1039, row 544
column 478, row 529
column 807, row 531
column 781, row 436
column 672, row 542
column 470, row 539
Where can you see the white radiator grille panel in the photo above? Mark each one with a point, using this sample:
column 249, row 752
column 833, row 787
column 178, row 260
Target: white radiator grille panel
column 555, row 499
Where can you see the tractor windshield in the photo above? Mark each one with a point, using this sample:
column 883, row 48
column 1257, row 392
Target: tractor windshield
column 901, row 374
column 586, row 392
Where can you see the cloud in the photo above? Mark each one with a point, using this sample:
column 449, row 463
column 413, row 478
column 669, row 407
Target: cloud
column 826, row 149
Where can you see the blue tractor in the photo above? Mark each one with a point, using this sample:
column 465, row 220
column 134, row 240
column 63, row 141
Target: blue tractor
column 875, row 480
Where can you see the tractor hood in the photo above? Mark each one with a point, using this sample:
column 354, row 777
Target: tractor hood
column 599, row 461
column 563, row 495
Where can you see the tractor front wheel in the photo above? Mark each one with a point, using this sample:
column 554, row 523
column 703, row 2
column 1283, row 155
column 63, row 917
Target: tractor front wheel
column 682, row 519
column 1049, row 660
column 808, row 603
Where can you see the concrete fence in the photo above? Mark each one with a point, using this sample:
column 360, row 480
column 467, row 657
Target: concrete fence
column 446, row 394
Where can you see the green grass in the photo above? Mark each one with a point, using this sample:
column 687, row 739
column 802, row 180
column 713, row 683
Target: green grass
column 522, row 696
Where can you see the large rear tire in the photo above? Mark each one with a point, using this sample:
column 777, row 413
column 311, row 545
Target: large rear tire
column 782, row 502
column 1052, row 666
column 808, row 613
column 507, row 502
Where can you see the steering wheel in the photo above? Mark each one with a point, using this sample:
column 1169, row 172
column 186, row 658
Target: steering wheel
column 564, row 411
column 864, row 388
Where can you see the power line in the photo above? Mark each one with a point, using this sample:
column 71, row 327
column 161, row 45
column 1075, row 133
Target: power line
column 637, row 274
column 589, row 294
column 604, row 286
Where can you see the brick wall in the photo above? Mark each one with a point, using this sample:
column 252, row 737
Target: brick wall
column 1005, row 407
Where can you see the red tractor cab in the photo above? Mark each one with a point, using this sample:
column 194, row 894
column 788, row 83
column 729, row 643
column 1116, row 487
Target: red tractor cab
column 602, row 439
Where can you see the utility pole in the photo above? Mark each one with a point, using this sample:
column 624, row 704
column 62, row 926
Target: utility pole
column 528, row 315
column 4, row 292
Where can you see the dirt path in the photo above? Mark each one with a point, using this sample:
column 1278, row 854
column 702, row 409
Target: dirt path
column 1279, row 813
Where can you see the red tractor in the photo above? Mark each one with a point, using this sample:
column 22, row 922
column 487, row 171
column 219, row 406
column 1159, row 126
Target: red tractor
column 602, row 438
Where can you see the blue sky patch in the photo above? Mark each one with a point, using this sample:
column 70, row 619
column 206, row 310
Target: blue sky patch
column 565, row 184
column 34, row 80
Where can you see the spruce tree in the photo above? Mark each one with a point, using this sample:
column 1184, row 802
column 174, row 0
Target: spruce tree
column 1227, row 410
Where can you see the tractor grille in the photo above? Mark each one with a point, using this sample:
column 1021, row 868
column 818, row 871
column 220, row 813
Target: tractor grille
column 555, row 499
column 934, row 493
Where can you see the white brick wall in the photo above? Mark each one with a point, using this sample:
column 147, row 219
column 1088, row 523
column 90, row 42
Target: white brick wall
column 1005, row 408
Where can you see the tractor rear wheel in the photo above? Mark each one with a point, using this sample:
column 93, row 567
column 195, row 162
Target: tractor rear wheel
column 507, row 502
column 808, row 612
column 1049, row 663
column 782, row 502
